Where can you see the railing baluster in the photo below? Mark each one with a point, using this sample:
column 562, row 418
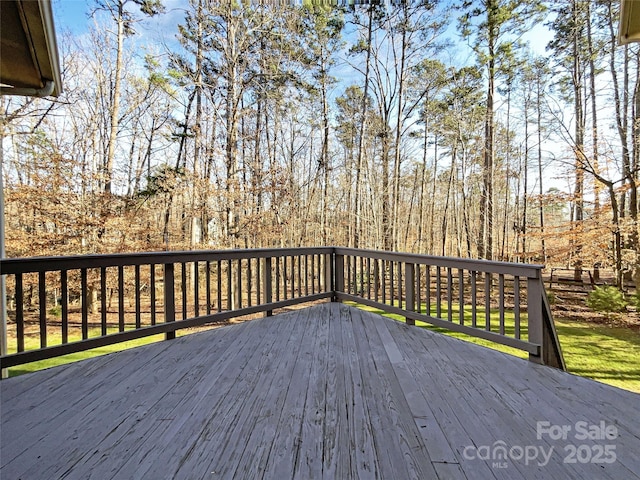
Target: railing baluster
column 438, row 292
column 84, row 307
column 258, row 276
column 169, row 298
column 487, row 302
column 120, row 298
column 277, row 278
column 339, row 274
column 428, row 290
column 353, row 283
column 64, row 305
column 450, row 294
column 461, row 294
column 328, row 273
column 196, row 290
column 238, row 303
column 376, row 279
column 400, row 289
column 501, row 301
column 516, row 305
column 295, row 279
column 229, row 285
column 249, row 282
column 42, row 294
column 418, row 287
column 347, row 273
column 219, row 284
column 369, row 278
column 474, row 299
column 304, row 284
column 285, row 274
column 183, row 289
column 391, row 283
column 137, row 297
column 152, row 291
column 292, row 275
column 383, row 278
column 267, row 284
column 306, row 274
column 19, row 312
column 208, row 285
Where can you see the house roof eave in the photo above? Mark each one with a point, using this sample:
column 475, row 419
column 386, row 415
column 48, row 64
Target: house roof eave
column 29, row 61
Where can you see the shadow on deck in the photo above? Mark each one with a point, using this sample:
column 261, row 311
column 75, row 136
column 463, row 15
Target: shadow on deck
column 328, row 391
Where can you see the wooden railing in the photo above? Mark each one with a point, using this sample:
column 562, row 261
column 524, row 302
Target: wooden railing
column 502, row 302
column 62, row 305
column 71, row 304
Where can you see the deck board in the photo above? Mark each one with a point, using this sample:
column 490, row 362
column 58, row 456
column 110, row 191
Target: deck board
column 328, row 391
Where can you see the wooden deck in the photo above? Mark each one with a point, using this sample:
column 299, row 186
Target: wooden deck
column 328, row 391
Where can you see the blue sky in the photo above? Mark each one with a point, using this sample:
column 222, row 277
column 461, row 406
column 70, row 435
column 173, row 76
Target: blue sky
column 74, row 16
column 70, row 15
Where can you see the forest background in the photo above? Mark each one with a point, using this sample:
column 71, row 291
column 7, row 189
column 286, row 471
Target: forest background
column 495, row 129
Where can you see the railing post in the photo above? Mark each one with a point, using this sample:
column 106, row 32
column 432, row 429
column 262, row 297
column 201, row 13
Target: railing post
column 169, row 298
column 535, row 320
column 338, row 276
column 410, row 290
column 552, row 351
column 267, row 283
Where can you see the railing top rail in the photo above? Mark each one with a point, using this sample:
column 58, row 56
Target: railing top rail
column 489, row 266
column 43, row 264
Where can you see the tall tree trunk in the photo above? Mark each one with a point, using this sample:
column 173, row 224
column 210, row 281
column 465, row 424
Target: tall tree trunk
column 325, row 158
column 621, row 110
column 231, row 140
column 434, row 186
column 423, row 182
column 635, row 135
column 540, row 178
column 485, row 243
column 398, row 137
column 525, row 183
column 198, row 193
column 361, row 136
column 507, row 193
column 580, row 160
column 115, row 104
column 595, row 161
column 386, row 221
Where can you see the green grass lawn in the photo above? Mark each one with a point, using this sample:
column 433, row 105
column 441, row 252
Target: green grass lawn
column 32, row 343
column 601, row 352
column 604, row 353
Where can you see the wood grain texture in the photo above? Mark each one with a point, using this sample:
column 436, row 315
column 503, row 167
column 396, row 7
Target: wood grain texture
column 329, row 391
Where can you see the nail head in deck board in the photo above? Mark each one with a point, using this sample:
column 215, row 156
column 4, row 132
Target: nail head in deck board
column 221, row 400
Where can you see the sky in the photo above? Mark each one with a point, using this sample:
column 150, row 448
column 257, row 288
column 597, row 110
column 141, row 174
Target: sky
column 75, row 16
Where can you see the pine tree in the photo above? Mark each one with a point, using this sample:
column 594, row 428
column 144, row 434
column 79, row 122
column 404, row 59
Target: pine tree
column 494, row 26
